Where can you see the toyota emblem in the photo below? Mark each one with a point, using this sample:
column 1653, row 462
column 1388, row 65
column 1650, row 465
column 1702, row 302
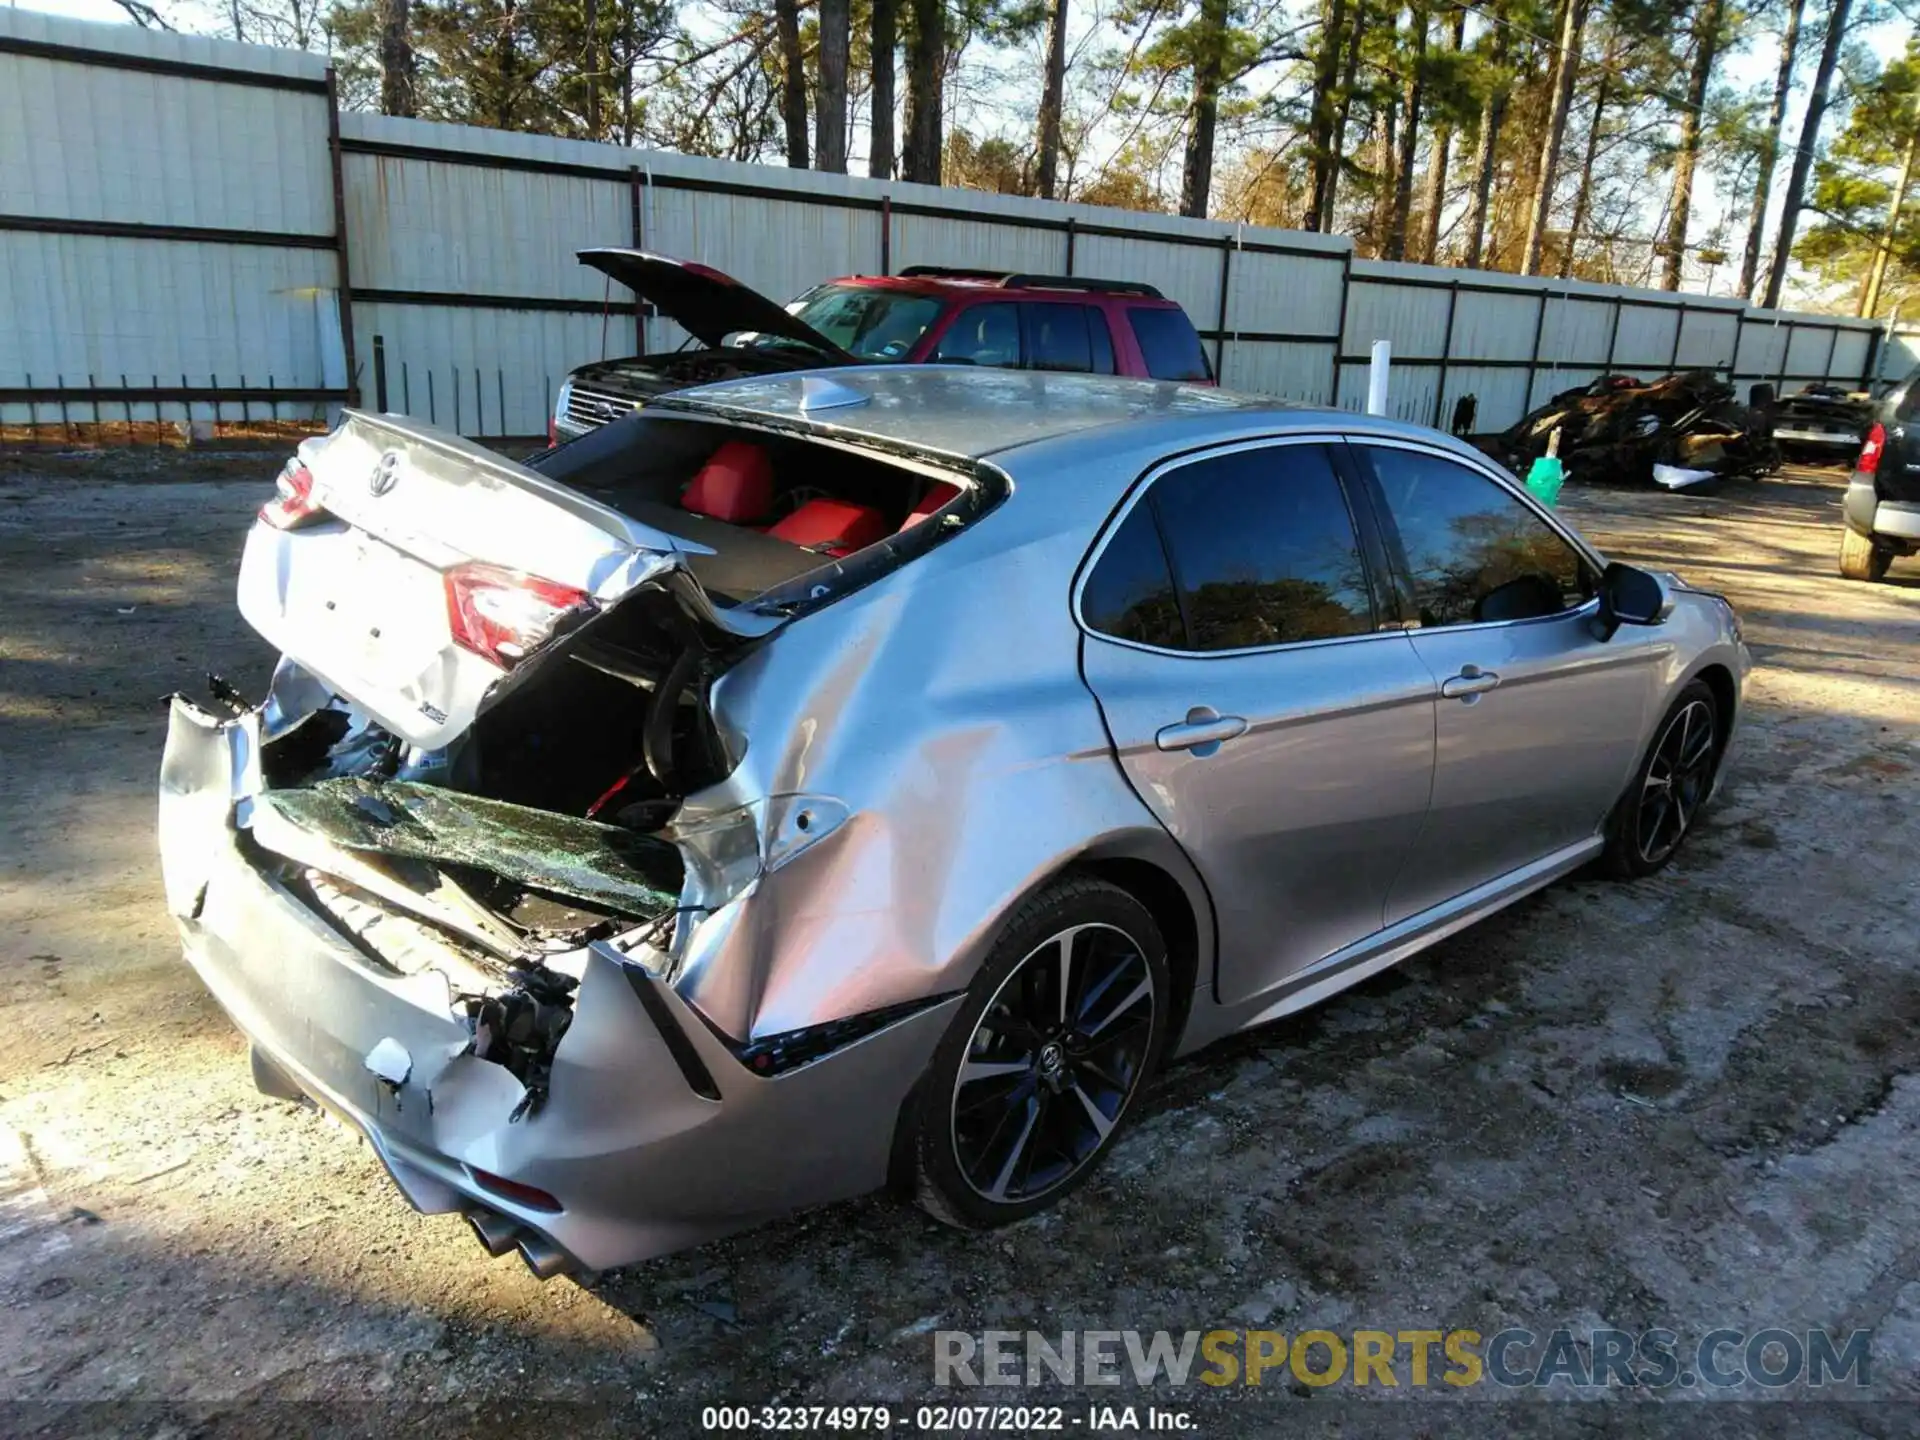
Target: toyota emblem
column 386, row 474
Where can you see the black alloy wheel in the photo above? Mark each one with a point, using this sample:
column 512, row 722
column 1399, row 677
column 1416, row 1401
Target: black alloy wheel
column 1670, row 788
column 1044, row 1062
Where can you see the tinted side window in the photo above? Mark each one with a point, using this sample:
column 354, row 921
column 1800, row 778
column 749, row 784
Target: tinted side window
column 1057, row 337
column 1473, row 552
column 1169, row 344
column 1130, row 595
column 1102, row 339
column 982, row 335
column 1263, row 548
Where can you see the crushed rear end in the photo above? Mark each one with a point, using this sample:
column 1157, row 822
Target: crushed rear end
column 435, row 877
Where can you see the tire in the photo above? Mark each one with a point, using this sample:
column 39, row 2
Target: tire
column 1668, row 789
column 1860, row 558
column 1019, row 1106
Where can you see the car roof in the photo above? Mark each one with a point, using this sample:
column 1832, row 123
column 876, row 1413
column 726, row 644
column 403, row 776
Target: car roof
column 972, row 413
column 984, row 286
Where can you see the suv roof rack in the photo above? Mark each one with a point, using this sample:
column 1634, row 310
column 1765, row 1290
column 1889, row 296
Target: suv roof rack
column 1020, row 280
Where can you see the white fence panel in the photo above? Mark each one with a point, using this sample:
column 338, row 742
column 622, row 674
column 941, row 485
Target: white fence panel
column 1807, row 352
column 1187, row 273
column 1292, row 369
column 1762, row 350
column 125, row 156
column 781, row 248
column 978, row 243
column 1410, row 397
column 84, row 305
column 1851, row 349
column 1576, row 331
column 1707, row 339
column 1644, row 345
column 1495, row 326
column 88, row 144
column 1284, row 294
column 451, row 228
column 415, row 341
column 1414, row 321
column 1500, row 394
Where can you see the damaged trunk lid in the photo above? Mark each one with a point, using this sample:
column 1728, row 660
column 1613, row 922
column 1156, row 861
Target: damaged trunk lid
column 421, row 576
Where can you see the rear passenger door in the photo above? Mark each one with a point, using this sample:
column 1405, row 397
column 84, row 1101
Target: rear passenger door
column 1281, row 736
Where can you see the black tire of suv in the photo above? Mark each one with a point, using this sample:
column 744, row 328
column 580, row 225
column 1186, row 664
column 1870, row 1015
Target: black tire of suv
column 1623, row 858
column 940, row 1184
column 1860, row 558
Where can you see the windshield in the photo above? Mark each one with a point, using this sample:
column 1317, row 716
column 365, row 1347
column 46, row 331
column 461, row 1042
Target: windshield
column 873, row 324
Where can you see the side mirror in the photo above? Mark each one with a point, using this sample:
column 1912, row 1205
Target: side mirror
column 1629, row 597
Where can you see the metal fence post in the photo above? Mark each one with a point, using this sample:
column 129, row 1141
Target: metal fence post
column 638, row 228
column 1446, row 353
column 1679, row 331
column 1340, row 333
column 340, row 250
column 1070, row 240
column 1533, row 359
column 380, row 372
column 886, row 234
column 1220, row 321
column 1869, row 372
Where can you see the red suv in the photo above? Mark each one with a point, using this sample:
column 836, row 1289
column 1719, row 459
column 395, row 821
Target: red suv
column 929, row 314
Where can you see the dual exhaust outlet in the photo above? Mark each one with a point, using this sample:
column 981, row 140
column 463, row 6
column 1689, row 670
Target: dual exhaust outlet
column 498, row 1235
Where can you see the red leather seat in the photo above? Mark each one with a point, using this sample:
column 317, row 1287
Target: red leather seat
column 832, row 527
column 938, row 494
column 735, row 485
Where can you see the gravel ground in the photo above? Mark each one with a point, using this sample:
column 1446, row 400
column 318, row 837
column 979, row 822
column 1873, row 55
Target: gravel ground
column 1690, row 1102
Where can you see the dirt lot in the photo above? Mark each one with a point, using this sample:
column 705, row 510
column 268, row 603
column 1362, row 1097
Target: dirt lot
column 1691, row 1102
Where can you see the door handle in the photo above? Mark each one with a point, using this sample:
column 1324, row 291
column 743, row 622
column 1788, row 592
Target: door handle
column 1201, row 732
column 1471, row 681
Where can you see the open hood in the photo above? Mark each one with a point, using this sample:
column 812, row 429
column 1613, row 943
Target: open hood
column 706, row 303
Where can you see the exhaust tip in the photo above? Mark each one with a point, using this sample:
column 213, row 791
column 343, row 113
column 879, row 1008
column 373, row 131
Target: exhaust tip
column 496, row 1232
column 544, row 1258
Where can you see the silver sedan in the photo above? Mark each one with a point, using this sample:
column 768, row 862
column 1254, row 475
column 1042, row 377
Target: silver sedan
column 816, row 782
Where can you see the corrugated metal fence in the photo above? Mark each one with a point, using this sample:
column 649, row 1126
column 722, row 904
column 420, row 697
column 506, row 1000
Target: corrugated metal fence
column 193, row 229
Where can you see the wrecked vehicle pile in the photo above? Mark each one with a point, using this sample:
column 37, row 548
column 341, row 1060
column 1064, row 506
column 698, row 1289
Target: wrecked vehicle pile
column 1683, row 430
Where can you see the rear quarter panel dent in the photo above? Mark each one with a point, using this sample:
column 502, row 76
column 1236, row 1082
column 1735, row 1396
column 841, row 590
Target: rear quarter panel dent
column 944, row 706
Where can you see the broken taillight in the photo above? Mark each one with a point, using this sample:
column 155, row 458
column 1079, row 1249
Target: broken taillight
column 504, row 615
column 294, row 505
column 1876, row 442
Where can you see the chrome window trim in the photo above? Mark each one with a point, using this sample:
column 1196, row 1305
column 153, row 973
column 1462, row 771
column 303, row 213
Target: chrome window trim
column 1138, row 492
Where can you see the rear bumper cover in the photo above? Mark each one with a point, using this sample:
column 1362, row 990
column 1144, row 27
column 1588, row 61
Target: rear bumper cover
column 1867, row 514
column 642, row 1164
column 1808, row 435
